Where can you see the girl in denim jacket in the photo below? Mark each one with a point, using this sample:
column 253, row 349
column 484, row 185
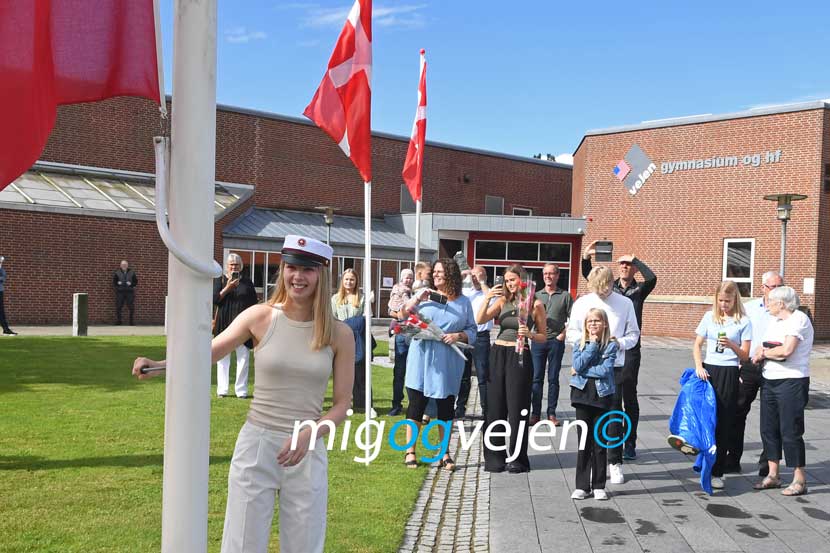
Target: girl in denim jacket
column 592, row 389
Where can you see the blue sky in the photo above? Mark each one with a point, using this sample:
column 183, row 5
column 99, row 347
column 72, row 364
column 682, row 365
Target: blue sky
column 527, row 76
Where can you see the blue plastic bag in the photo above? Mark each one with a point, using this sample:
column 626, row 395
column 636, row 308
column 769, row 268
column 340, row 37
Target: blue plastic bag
column 694, row 419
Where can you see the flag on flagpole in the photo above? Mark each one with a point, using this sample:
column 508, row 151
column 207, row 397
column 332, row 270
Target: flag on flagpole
column 413, row 166
column 55, row 52
column 342, row 104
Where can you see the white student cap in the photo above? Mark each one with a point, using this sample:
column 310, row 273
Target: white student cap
column 308, row 252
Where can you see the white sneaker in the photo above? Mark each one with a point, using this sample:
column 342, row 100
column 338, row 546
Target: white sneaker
column 600, row 495
column 579, row 494
column 374, row 413
column 718, row 483
column 616, row 472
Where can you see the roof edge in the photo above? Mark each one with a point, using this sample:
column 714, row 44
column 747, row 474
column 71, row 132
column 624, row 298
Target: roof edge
column 400, row 138
column 696, row 119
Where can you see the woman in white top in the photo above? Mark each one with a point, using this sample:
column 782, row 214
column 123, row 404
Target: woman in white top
column 727, row 334
column 298, row 346
column 786, row 371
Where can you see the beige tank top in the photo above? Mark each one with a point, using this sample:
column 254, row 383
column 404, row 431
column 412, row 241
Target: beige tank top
column 291, row 378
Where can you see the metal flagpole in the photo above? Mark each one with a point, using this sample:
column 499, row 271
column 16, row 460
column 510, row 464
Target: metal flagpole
column 418, row 230
column 367, row 307
column 192, row 172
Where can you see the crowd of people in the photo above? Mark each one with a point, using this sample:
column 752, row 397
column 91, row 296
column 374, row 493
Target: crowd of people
column 301, row 336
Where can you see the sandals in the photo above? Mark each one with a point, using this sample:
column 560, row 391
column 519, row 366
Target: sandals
column 795, row 488
column 682, row 445
column 410, row 463
column 447, row 464
column 768, row 483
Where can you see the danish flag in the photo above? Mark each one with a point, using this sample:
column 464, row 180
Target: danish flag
column 341, row 107
column 58, row 52
column 413, row 166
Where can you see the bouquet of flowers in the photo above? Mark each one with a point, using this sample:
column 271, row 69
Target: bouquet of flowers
column 424, row 329
column 526, row 295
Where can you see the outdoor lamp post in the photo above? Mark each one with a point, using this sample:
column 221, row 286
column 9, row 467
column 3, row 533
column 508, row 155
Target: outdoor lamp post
column 785, row 206
column 328, row 217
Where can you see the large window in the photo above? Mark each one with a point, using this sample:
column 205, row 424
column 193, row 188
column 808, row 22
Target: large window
column 738, row 260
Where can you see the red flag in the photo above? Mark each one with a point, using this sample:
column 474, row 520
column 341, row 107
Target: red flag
column 55, row 52
column 342, row 104
column 413, row 166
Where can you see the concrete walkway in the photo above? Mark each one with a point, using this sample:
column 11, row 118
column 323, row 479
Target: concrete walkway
column 661, row 507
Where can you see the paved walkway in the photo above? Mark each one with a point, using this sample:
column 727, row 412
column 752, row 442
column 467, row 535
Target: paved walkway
column 660, row 508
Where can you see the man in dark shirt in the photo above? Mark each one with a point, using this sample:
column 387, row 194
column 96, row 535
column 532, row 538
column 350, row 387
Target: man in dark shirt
column 557, row 304
column 124, row 280
column 7, row 331
column 637, row 292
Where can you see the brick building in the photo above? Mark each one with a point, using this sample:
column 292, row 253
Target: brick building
column 686, row 196
column 66, row 224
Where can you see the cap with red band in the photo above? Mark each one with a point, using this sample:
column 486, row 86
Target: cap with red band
column 308, row 252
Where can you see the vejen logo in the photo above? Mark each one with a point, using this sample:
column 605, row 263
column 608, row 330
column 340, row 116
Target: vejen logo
column 634, row 169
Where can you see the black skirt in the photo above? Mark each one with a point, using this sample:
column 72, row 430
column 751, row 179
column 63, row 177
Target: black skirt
column 589, row 396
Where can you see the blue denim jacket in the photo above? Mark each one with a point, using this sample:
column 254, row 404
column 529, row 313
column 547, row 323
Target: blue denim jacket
column 590, row 362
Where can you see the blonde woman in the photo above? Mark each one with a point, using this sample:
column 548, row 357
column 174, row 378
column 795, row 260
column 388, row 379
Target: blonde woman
column 347, row 306
column 298, row 346
column 592, row 392
column 727, row 333
column 509, row 388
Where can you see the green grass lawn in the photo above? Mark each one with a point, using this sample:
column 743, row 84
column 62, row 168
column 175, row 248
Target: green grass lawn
column 81, row 452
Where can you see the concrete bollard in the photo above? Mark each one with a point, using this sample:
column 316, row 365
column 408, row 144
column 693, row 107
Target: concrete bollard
column 80, row 314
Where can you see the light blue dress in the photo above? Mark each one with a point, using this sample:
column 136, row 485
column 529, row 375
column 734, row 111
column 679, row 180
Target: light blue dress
column 432, row 367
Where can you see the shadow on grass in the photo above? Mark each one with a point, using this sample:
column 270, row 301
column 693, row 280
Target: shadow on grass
column 33, row 463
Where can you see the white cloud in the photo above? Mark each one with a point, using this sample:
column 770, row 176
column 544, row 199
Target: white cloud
column 240, row 35
column 407, row 15
column 567, row 159
column 308, row 43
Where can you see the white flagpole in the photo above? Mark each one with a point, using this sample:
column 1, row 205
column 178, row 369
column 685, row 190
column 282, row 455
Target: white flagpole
column 367, row 306
column 192, row 171
column 418, row 228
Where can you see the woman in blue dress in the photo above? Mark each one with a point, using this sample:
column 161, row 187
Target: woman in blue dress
column 433, row 368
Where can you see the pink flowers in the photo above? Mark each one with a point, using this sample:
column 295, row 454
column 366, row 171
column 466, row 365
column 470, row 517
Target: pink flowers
column 527, row 293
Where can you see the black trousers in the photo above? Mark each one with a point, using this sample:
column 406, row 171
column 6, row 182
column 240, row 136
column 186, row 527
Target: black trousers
column 724, row 380
column 466, row 384
column 592, row 460
column 3, row 322
column 748, row 386
column 418, row 404
column 615, row 429
column 631, row 405
column 508, row 398
column 124, row 297
column 782, row 419
column 359, row 386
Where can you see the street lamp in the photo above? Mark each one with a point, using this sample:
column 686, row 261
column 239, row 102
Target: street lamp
column 328, row 217
column 785, row 206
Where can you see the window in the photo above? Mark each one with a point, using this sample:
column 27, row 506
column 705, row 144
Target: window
column 493, row 205
column 491, row 250
column 526, row 211
column 523, row 251
column 738, row 259
column 555, row 252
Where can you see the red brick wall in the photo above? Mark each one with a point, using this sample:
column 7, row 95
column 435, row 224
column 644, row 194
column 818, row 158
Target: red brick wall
column 297, row 166
column 292, row 166
column 51, row 256
column 677, row 222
